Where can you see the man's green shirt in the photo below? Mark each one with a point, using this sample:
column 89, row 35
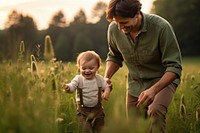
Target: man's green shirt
column 154, row 52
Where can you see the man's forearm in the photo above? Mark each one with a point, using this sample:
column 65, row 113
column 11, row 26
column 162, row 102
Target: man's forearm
column 111, row 69
column 166, row 79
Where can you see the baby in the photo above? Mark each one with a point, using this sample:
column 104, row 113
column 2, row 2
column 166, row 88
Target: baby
column 89, row 86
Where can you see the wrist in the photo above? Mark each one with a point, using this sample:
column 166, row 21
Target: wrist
column 155, row 88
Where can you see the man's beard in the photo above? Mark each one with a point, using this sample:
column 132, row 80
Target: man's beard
column 128, row 29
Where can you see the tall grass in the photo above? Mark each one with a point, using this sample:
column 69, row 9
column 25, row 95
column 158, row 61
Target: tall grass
column 189, row 89
column 26, row 101
column 34, row 102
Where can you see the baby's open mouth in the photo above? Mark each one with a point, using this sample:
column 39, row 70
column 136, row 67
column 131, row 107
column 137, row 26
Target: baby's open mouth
column 87, row 74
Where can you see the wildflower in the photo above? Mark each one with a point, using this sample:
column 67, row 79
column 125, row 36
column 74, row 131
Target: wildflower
column 59, row 119
column 182, row 111
column 21, row 51
column 182, row 99
column 48, row 49
column 198, row 114
column 192, row 77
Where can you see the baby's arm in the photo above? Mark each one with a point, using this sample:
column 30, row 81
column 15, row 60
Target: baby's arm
column 106, row 93
column 71, row 87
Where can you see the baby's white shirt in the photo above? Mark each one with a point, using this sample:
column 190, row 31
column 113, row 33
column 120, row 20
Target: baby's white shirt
column 89, row 90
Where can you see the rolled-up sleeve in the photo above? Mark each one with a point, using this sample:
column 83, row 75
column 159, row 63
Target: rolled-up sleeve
column 171, row 55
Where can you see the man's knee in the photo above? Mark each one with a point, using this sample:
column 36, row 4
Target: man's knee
column 157, row 110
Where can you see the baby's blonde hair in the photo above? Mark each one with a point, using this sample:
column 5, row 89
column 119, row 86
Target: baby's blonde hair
column 87, row 56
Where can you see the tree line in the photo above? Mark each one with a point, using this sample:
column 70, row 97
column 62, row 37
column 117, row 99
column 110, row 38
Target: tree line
column 68, row 38
column 71, row 38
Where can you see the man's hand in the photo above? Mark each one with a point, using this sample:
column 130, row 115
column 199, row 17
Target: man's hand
column 146, row 97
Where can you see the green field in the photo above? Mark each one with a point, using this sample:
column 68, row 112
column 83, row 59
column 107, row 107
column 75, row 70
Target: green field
column 32, row 101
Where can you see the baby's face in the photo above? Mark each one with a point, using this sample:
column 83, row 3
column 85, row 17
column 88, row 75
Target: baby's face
column 88, row 68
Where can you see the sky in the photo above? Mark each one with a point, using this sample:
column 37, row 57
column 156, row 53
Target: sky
column 42, row 11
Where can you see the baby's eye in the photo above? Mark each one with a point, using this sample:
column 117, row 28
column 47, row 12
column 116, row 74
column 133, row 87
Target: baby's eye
column 83, row 68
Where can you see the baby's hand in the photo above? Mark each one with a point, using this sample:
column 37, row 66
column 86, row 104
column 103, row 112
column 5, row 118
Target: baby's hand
column 65, row 87
column 106, row 94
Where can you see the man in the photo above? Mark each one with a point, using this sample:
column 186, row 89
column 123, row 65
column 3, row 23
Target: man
column 149, row 48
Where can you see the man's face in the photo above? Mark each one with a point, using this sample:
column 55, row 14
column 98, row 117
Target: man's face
column 127, row 25
column 88, row 68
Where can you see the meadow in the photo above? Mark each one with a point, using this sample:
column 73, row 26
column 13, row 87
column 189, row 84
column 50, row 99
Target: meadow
column 32, row 100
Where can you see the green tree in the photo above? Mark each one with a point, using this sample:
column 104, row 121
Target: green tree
column 79, row 18
column 20, row 28
column 98, row 11
column 3, row 44
column 58, row 20
column 56, row 29
column 63, row 47
column 82, row 43
column 56, row 25
column 100, row 38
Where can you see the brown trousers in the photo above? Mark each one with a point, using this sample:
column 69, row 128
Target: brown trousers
column 91, row 119
column 156, row 111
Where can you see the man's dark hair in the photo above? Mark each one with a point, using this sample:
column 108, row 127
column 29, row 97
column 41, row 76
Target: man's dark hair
column 123, row 8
